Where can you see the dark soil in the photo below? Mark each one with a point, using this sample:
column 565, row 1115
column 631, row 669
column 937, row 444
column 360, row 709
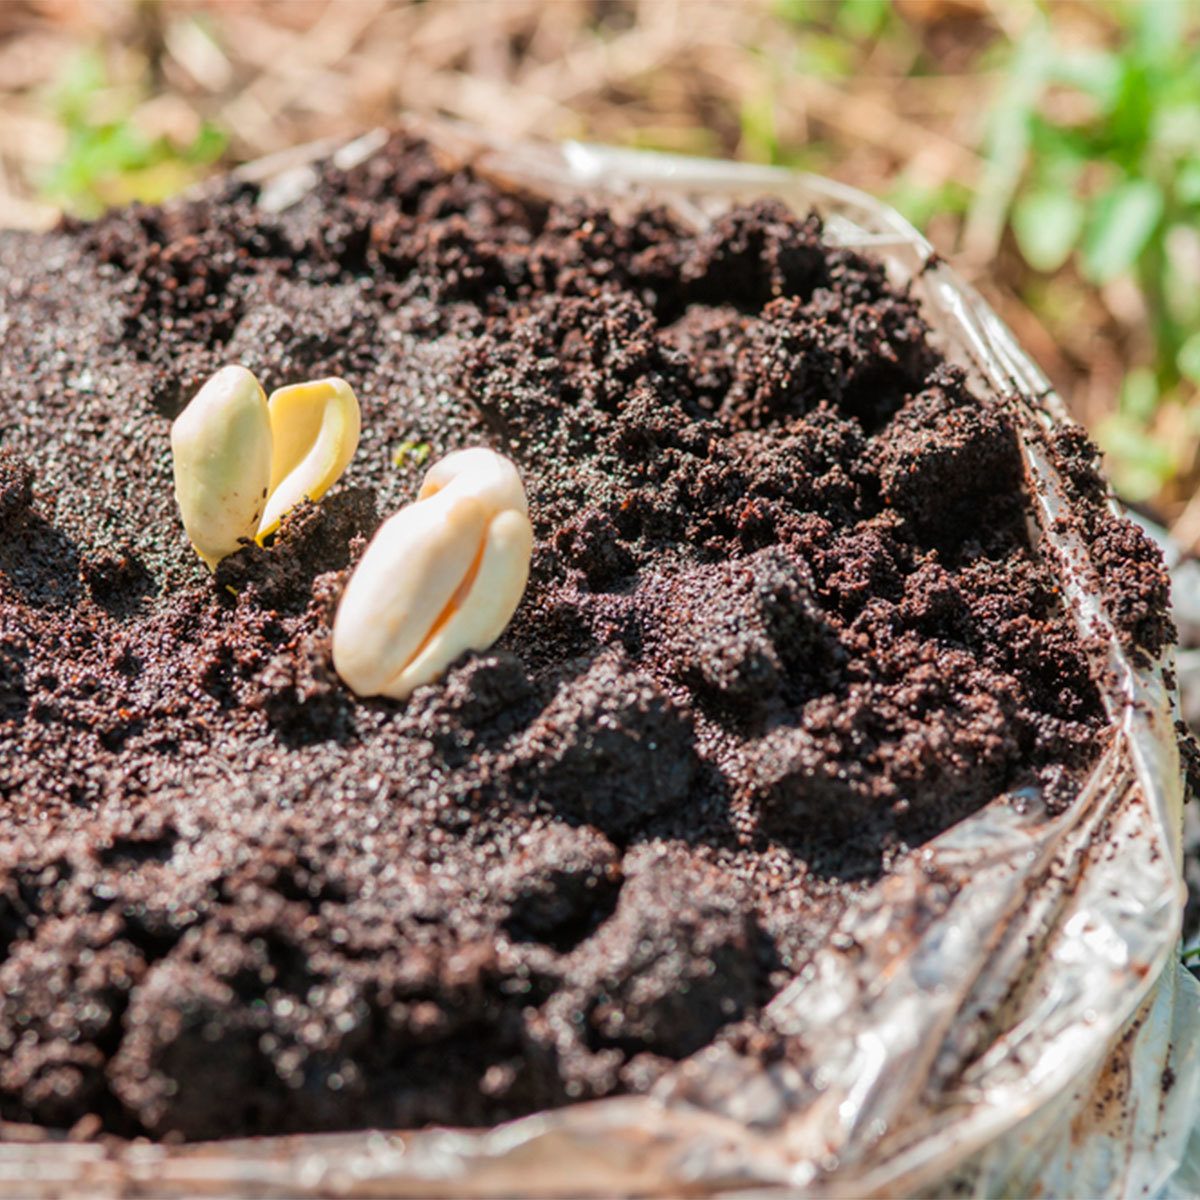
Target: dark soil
column 1137, row 588
column 784, row 624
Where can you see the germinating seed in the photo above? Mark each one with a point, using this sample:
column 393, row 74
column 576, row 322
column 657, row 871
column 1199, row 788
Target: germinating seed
column 242, row 462
column 442, row 576
column 221, row 445
column 315, row 427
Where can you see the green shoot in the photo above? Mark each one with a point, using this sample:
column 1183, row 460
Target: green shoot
column 1094, row 157
column 109, row 159
column 412, row 454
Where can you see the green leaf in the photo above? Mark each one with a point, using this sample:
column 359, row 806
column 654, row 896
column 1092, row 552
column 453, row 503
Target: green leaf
column 1138, row 463
column 208, row 145
column 760, row 137
column 798, row 12
column 1059, row 157
column 826, row 56
column 1175, row 127
column 1188, row 359
column 920, row 202
column 412, row 453
column 1009, row 123
column 79, row 80
column 1123, row 220
column 862, row 20
column 1010, row 129
column 1095, row 72
column 1178, row 286
column 1139, row 394
column 1187, row 182
column 1047, row 224
column 1158, row 28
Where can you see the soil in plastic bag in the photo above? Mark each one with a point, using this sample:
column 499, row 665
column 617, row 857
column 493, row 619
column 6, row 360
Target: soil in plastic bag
column 793, row 695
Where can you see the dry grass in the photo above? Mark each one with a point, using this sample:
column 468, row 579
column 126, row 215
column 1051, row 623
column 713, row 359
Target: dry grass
column 679, row 74
column 899, row 115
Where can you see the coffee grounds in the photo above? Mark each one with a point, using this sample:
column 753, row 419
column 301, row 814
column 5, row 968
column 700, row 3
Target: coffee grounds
column 1136, row 588
column 784, row 624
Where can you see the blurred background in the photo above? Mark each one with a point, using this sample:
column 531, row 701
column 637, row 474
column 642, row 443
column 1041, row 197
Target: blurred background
column 1053, row 150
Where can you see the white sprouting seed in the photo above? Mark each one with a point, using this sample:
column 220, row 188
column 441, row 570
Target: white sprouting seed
column 241, row 461
column 221, row 446
column 442, row 576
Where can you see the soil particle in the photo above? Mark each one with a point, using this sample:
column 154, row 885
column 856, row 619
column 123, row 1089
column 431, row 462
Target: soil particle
column 16, row 487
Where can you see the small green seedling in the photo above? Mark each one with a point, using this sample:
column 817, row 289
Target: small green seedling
column 412, row 454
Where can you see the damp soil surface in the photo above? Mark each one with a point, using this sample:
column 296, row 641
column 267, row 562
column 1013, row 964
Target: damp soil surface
column 784, row 625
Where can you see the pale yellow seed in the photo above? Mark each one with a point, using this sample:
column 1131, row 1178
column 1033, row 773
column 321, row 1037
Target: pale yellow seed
column 442, row 576
column 221, row 446
column 315, row 428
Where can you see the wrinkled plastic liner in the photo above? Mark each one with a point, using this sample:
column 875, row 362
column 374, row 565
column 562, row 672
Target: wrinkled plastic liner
column 1009, row 1017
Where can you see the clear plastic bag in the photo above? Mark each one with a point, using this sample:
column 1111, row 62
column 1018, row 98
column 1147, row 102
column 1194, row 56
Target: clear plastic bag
column 1013, row 1022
